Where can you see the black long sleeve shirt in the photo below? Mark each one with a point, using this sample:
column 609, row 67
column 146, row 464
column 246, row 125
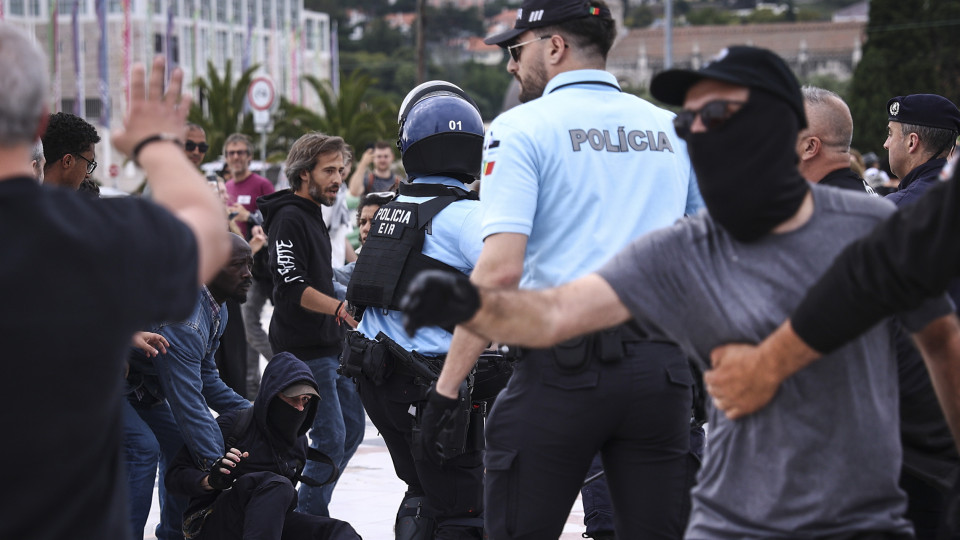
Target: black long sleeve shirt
column 906, row 259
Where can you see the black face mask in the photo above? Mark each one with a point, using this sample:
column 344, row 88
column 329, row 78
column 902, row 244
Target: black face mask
column 285, row 420
column 747, row 167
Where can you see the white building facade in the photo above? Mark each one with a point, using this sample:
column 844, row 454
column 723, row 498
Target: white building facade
column 286, row 41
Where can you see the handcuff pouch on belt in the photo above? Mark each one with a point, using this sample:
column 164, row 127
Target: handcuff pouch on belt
column 365, row 357
column 574, row 355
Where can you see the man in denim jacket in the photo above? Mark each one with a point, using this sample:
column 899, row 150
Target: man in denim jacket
column 169, row 396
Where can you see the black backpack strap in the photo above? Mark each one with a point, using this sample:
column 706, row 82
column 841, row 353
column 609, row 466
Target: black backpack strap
column 239, row 428
column 443, row 197
column 436, row 190
column 315, row 455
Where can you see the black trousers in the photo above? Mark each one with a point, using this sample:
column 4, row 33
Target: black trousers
column 548, row 424
column 453, row 491
column 263, row 505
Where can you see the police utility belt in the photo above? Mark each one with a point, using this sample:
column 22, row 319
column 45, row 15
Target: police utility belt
column 377, row 359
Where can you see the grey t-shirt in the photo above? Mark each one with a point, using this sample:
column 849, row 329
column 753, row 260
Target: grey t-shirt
column 824, row 456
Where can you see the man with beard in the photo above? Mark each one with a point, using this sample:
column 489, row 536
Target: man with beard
column 169, row 396
column 824, row 145
column 308, row 321
column 250, row 494
column 823, row 457
column 555, row 209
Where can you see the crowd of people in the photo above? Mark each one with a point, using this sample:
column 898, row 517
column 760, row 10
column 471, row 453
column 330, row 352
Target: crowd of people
column 623, row 275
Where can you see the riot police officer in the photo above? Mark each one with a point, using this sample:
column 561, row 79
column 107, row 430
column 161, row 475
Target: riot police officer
column 434, row 223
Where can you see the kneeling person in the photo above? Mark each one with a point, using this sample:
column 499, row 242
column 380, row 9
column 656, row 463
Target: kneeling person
column 250, row 493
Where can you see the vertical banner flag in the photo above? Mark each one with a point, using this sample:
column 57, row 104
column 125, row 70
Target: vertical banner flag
column 102, row 66
column 126, row 49
column 168, row 39
column 54, row 35
column 335, row 60
column 77, row 78
column 245, row 59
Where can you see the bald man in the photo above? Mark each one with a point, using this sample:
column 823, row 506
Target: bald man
column 824, row 146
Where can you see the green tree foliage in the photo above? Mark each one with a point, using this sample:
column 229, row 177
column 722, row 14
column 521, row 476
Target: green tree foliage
column 219, row 111
column 354, row 115
column 911, row 49
column 485, row 84
column 638, row 17
column 710, row 16
column 378, row 37
column 448, row 22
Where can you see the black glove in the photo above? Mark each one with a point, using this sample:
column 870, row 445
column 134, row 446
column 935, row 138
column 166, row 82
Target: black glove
column 438, row 298
column 217, row 479
column 443, row 424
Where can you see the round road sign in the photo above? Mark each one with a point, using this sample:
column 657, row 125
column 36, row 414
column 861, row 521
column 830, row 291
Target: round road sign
column 261, row 93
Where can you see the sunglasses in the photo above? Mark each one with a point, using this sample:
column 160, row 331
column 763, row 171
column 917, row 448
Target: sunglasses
column 191, row 146
column 514, row 50
column 91, row 165
column 712, row 114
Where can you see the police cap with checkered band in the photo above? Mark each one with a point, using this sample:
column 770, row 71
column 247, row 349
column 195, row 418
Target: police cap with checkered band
column 541, row 13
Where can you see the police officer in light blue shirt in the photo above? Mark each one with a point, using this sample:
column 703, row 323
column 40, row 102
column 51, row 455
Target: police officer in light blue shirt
column 434, row 223
column 583, row 184
column 570, row 177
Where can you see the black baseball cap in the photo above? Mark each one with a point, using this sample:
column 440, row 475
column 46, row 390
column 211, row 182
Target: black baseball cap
column 540, row 13
column 752, row 67
column 928, row 110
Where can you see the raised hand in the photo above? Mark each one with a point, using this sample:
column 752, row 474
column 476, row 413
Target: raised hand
column 153, row 111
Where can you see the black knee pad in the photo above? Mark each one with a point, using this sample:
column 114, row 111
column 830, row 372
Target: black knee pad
column 411, row 523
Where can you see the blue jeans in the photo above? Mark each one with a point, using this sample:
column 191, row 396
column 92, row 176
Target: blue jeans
column 151, row 436
column 337, row 431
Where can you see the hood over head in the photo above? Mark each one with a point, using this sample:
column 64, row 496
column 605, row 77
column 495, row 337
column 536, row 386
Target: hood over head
column 282, row 371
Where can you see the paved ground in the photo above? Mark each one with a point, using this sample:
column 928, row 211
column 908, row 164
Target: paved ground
column 368, row 494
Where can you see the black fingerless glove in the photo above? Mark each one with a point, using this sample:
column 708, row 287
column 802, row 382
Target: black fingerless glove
column 438, row 298
column 217, row 479
column 444, row 423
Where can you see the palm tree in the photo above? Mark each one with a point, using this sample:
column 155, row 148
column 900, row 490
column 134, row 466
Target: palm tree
column 220, row 109
column 352, row 114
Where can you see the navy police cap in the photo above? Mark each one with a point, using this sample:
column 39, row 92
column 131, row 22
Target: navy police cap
column 742, row 65
column 540, row 13
column 928, row 110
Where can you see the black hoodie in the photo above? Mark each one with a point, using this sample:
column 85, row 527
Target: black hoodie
column 268, row 452
column 299, row 254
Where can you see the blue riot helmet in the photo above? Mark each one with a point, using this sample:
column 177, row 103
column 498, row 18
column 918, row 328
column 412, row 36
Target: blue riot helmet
column 441, row 132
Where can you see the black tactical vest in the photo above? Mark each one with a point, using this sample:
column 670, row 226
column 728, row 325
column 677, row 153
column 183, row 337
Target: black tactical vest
column 392, row 254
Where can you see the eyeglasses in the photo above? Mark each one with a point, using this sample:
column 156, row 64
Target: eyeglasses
column 91, row 165
column 712, row 114
column 514, row 50
column 191, row 146
column 231, row 153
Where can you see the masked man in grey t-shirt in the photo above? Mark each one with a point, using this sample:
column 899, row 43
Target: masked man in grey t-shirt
column 822, row 459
